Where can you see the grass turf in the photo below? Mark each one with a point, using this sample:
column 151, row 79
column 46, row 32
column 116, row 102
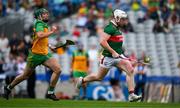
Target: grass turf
column 44, row 103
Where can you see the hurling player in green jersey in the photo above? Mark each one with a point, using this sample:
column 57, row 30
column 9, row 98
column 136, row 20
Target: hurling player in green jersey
column 111, row 39
column 39, row 54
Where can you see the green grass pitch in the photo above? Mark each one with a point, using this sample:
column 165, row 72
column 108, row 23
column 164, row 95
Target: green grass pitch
column 44, row 103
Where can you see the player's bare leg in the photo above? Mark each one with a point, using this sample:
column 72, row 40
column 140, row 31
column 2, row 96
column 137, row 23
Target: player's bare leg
column 53, row 65
column 126, row 65
column 93, row 77
column 77, row 95
column 25, row 75
column 84, row 90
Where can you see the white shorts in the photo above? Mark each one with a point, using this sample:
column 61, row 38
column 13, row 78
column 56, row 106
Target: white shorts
column 109, row 62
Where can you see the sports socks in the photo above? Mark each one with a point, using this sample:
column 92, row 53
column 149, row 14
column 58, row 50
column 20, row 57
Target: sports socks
column 131, row 92
column 9, row 87
column 50, row 90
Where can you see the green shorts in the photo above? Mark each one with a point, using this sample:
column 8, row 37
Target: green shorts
column 34, row 60
column 77, row 74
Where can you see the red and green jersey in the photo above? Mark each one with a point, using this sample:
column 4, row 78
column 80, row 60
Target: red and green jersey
column 115, row 41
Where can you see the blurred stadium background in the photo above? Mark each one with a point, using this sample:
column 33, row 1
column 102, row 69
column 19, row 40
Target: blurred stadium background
column 154, row 30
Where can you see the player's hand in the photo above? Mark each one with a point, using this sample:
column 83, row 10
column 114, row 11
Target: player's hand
column 115, row 55
column 53, row 48
column 54, row 29
column 71, row 70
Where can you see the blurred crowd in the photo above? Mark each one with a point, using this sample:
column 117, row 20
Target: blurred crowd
column 90, row 15
column 93, row 14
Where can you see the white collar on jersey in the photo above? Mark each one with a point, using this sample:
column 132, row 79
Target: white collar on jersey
column 112, row 21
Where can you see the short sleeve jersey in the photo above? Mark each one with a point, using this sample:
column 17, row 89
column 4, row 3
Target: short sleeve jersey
column 40, row 45
column 115, row 41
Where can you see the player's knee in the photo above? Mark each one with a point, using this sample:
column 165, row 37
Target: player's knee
column 129, row 67
column 131, row 71
column 57, row 69
column 99, row 78
column 25, row 77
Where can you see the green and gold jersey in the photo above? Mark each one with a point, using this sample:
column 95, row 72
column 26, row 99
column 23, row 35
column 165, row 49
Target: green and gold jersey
column 40, row 45
column 115, row 41
column 80, row 61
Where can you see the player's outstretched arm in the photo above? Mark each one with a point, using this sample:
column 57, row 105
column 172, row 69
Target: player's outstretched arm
column 42, row 34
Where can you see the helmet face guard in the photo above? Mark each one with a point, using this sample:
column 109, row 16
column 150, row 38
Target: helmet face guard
column 118, row 15
column 39, row 12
